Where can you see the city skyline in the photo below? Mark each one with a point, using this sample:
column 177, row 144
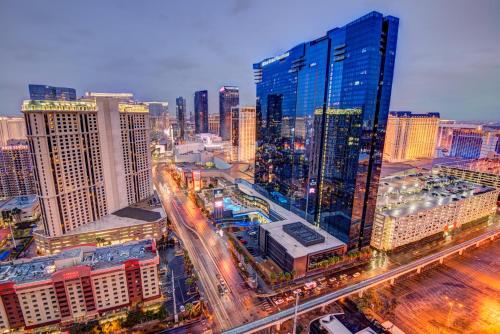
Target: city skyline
column 90, row 54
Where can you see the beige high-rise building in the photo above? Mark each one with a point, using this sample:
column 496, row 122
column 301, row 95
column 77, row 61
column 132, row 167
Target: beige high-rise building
column 90, row 156
column 214, row 124
column 11, row 128
column 410, row 136
column 243, row 133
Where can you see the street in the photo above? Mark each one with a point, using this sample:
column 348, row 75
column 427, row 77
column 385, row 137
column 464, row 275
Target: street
column 209, row 254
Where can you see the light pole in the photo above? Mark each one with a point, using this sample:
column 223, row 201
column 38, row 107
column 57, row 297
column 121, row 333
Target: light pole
column 451, row 304
column 176, row 316
column 295, row 313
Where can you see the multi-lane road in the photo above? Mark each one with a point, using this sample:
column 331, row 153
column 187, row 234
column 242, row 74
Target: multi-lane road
column 209, row 254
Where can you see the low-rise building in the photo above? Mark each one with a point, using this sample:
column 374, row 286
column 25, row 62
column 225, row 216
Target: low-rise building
column 297, row 247
column 77, row 285
column 414, row 207
column 480, row 171
column 20, row 209
column 137, row 222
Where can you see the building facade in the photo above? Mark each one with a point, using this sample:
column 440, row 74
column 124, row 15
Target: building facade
column 17, row 177
column 180, row 110
column 481, row 171
column 410, row 136
column 296, row 247
column 214, row 124
column 322, row 109
column 201, row 111
column 416, row 207
column 12, row 128
column 229, row 97
column 469, row 141
column 20, row 209
column 78, row 285
column 91, row 157
column 42, row 92
column 158, row 117
column 243, row 134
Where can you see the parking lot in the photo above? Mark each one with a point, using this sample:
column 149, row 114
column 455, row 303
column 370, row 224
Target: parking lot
column 249, row 239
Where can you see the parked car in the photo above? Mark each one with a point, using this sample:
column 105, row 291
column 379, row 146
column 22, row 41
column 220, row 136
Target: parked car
column 310, row 285
column 356, row 274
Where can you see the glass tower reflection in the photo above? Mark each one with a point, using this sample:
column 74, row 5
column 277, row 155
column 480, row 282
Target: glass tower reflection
column 322, row 107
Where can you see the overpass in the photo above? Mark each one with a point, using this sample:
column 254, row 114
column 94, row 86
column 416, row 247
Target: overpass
column 320, row 302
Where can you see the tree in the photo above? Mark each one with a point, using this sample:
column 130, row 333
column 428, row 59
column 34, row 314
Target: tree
column 100, row 241
column 189, row 281
column 189, row 308
column 272, row 277
column 162, row 313
column 299, row 329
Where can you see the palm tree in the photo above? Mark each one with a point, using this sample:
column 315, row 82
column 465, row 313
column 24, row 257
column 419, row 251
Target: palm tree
column 99, row 241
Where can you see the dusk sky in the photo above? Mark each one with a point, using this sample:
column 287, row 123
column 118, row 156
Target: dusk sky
column 448, row 55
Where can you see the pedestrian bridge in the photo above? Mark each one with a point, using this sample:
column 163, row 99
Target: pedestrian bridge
column 320, row 302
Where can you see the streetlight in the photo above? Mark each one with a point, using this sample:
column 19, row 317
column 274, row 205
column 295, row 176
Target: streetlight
column 451, row 305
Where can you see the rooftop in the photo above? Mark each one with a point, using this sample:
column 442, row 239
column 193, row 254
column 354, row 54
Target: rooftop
column 401, row 196
column 489, row 166
column 43, row 267
column 338, row 324
column 316, row 240
column 20, row 202
column 78, row 105
column 136, row 214
column 303, row 234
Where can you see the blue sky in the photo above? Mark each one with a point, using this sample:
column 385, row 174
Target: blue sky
column 448, row 57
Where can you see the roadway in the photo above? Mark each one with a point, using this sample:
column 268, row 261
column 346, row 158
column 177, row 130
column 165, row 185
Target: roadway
column 209, row 254
column 390, row 275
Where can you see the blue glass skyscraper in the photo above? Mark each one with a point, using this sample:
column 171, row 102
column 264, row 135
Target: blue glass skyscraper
column 201, row 111
column 42, row 92
column 322, row 109
column 180, row 108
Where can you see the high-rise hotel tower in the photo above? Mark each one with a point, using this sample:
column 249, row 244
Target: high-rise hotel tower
column 322, row 109
column 91, row 157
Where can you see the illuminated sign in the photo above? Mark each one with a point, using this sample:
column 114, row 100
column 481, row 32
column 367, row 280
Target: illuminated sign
column 218, row 204
column 274, row 59
column 196, row 180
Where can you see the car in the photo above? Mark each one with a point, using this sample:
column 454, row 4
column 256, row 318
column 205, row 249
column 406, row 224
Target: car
column 279, row 301
column 310, row 285
column 290, row 298
column 332, row 280
column 343, row 277
column 356, row 274
column 252, row 233
column 182, row 308
column 297, row 291
column 239, row 237
column 244, row 242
